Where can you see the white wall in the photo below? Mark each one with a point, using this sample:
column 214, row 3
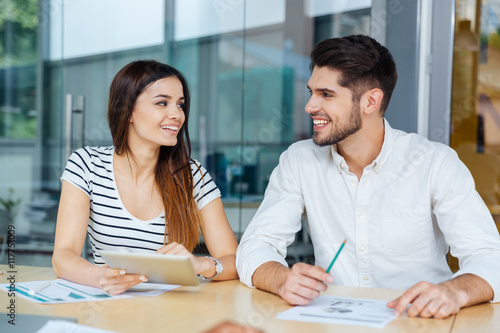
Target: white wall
column 96, row 27
column 195, row 18
column 315, row 8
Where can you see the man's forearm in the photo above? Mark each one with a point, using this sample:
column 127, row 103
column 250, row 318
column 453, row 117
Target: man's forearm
column 471, row 289
column 270, row 276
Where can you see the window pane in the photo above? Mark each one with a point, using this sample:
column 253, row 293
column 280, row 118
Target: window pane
column 476, row 96
column 18, row 47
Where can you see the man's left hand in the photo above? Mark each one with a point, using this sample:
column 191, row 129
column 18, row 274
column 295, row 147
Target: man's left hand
column 444, row 299
column 428, row 300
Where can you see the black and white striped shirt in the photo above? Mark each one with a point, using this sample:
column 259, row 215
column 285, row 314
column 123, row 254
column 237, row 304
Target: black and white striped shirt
column 111, row 226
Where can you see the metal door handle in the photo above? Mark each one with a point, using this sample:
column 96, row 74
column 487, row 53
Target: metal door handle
column 70, row 111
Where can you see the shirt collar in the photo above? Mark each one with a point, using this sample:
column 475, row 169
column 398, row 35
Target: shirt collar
column 387, row 146
column 337, row 159
column 382, row 157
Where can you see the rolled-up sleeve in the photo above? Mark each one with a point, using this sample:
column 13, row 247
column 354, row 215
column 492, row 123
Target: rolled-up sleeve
column 466, row 222
column 275, row 224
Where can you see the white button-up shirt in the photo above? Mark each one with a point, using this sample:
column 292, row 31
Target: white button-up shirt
column 413, row 202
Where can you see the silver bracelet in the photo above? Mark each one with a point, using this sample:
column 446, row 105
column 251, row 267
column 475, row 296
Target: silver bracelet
column 218, row 269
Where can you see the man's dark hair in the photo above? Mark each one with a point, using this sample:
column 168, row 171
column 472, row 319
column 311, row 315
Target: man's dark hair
column 362, row 62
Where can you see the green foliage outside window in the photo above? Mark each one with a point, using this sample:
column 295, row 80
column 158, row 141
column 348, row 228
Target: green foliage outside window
column 18, row 32
column 10, row 205
column 18, row 65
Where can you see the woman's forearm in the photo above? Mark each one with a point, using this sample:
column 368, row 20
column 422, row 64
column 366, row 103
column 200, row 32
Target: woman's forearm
column 228, row 265
column 69, row 266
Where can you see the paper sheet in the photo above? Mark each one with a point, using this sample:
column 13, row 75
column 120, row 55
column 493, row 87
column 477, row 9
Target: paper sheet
column 342, row 311
column 60, row 326
column 63, row 291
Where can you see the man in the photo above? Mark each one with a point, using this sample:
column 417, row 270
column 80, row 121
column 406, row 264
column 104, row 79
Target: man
column 400, row 200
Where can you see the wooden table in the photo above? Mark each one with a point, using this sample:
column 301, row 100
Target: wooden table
column 196, row 309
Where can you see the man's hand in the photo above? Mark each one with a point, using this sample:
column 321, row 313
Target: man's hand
column 442, row 300
column 304, row 283
column 427, row 300
column 231, row 327
column 298, row 285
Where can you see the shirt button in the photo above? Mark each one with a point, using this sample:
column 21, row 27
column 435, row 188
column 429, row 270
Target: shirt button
column 362, row 216
column 366, row 278
column 362, row 249
column 353, row 184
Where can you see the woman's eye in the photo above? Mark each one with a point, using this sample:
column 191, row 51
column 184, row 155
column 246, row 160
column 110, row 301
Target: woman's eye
column 181, row 105
column 162, row 103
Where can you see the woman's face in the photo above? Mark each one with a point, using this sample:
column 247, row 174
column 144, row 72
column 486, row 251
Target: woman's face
column 158, row 114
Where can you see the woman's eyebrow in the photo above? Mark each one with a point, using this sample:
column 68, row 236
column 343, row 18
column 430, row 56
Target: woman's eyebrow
column 163, row 96
column 167, row 97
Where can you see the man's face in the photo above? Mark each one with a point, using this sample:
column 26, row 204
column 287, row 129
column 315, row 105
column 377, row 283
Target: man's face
column 335, row 116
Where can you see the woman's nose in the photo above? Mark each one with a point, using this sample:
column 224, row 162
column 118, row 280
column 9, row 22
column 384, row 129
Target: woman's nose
column 174, row 112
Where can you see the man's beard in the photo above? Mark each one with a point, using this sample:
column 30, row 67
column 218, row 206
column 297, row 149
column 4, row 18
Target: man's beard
column 337, row 133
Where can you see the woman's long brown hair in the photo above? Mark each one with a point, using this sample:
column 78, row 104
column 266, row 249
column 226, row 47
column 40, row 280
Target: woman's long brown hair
column 173, row 174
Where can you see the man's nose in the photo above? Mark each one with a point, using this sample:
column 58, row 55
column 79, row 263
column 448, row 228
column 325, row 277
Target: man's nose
column 312, row 105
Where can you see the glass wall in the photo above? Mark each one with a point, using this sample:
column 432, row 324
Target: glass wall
column 20, row 112
column 247, row 65
column 475, row 107
column 475, row 116
column 18, row 47
column 247, row 69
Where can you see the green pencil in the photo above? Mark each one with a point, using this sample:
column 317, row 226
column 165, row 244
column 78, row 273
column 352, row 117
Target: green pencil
column 335, row 258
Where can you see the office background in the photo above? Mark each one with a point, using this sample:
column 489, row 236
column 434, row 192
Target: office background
column 247, row 65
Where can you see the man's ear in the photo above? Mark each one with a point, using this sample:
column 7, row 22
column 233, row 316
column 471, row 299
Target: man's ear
column 371, row 100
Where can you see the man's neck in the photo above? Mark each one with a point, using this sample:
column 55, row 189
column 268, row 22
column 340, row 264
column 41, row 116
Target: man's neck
column 362, row 148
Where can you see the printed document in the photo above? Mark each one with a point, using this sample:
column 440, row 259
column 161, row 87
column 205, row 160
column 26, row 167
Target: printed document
column 342, row 311
column 59, row 326
column 64, row 291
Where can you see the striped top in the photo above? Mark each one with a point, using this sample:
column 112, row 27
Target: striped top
column 111, row 226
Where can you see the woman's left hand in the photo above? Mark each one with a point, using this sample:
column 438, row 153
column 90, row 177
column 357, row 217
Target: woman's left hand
column 201, row 265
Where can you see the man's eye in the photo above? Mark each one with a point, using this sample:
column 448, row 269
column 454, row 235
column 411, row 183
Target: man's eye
column 327, row 95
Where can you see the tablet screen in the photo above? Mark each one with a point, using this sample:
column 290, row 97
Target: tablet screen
column 159, row 268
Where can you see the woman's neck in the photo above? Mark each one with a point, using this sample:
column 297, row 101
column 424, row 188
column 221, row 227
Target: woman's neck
column 138, row 164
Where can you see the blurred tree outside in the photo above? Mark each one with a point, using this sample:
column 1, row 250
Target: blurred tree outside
column 18, row 32
column 18, row 63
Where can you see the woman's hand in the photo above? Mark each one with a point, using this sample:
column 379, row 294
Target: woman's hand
column 117, row 281
column 202, row 265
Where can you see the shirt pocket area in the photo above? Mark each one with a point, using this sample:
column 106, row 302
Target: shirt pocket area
column 404, row 231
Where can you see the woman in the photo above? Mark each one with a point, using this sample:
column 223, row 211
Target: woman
column 144, row 193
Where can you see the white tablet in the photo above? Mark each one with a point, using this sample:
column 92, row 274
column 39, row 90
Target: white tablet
column 159, row 268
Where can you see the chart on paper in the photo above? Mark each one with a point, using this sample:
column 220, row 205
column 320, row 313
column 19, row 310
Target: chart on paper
column 63, row 291
column 342, row 311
